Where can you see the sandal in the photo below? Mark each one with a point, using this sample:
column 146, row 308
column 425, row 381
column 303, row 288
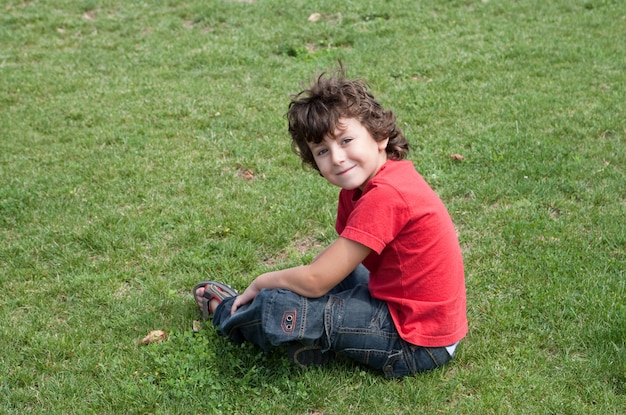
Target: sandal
column 213, row 290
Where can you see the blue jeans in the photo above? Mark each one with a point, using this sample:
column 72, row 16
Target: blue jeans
column 347, row 321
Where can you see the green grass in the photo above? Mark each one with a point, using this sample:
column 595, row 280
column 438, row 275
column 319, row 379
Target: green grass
column 125, row 132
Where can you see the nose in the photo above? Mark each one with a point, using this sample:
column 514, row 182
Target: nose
column 337, row 155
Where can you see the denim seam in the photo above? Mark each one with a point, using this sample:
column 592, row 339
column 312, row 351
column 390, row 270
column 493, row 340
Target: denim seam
column 304, row 305
column 432, row 356
column 329, row 324
column 409, row 356
column 385, row 335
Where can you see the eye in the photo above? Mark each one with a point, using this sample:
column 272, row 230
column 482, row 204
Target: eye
column 346, row 140
column 321, row 152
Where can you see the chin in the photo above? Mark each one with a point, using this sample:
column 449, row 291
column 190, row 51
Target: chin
column 350, row 186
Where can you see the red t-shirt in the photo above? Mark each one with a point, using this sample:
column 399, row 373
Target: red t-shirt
column 416, row 265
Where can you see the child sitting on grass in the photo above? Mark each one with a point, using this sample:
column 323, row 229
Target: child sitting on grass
column 389, row 292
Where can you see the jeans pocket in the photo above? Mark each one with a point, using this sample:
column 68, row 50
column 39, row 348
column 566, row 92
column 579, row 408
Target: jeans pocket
column 396, row 365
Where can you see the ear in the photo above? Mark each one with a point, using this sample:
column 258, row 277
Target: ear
column 382, row 145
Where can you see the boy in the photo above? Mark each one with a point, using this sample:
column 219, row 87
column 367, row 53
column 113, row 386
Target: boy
column 389, row 292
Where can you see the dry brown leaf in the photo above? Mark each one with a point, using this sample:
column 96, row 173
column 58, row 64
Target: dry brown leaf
column 457, row 157
column 154, row 336
column 314, row 17
column 246, row 174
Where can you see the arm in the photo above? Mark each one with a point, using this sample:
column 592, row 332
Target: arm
column 327, row 270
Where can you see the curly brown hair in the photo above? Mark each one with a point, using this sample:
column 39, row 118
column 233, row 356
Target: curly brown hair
column 314, row 113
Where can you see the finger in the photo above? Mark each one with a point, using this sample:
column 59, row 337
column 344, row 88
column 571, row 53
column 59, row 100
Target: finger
column 235, row 306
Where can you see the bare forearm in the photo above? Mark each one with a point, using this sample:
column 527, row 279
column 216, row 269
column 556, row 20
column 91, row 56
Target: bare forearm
column 300, row 280
column 293, row 279
column 313, row 280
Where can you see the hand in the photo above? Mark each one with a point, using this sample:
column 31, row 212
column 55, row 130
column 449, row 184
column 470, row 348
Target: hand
column 246, row 297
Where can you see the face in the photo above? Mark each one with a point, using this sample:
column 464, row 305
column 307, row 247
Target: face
column 350, row 157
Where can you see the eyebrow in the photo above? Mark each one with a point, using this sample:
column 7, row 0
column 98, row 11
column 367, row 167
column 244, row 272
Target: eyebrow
column 315, row 145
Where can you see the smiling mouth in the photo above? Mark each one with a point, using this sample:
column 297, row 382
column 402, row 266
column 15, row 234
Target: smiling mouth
column 345, row 171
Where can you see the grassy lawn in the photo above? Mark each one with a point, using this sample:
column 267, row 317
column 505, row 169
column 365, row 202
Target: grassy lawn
column 143, row 147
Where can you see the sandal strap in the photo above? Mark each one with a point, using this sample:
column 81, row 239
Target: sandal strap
column 219, row 291
column 213, row 290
